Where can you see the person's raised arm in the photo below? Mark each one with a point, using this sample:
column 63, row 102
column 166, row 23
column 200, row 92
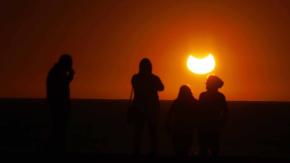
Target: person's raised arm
column 70, row 75
column 159, row 84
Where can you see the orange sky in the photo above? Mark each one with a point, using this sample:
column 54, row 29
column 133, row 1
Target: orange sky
column 107, row 39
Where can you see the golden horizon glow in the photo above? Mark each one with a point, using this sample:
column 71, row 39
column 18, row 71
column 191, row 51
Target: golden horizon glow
column 201, row 65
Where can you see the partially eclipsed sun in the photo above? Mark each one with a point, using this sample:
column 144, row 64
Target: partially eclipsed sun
column 201, row 65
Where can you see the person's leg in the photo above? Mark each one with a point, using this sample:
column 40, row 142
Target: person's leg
column 54, row 128
column 59, row 131
column 215, row 144
column 64, row 128
column 182, row 144
column 203, row 144
column 177, row 144
column 153, row 129
column 188, row 144
column 138, row 135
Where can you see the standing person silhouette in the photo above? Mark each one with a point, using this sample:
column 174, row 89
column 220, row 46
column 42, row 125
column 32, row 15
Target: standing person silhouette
column 58, row 97
column 146, row 86
column 180, row 121
column 213, row 111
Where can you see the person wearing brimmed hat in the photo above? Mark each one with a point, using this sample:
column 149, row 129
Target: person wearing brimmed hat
column 213, row 113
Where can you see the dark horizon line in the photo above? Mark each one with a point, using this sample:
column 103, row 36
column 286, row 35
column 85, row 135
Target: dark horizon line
column 112, row 99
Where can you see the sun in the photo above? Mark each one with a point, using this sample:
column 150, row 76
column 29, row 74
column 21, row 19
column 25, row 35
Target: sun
column 201, row 65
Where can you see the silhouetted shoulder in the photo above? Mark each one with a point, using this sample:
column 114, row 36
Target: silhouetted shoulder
column 218, row 95
column 154, row 81
column 174, row 105
column 134, row 78
column 51, row 72
column 222, row 96
column 202, row 96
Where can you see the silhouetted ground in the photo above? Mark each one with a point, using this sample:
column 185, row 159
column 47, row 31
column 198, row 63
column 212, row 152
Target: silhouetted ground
column 256, row 130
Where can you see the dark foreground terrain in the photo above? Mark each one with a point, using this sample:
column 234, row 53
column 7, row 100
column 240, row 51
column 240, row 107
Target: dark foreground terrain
column 98, row 129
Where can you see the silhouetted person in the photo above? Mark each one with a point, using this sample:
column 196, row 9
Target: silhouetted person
column 58, row 96
column 180, row 121
column 146, row 86
column 213, row 111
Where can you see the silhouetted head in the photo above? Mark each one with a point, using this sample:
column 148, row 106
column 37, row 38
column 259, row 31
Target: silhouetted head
column 213, row 83
column 65, row 60
column 184, row 93
column 145, row 66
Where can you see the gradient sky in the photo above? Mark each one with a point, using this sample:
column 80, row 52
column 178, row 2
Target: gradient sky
column 249, row 39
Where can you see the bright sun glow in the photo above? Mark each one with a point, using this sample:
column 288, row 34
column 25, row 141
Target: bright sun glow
column 201, row 65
